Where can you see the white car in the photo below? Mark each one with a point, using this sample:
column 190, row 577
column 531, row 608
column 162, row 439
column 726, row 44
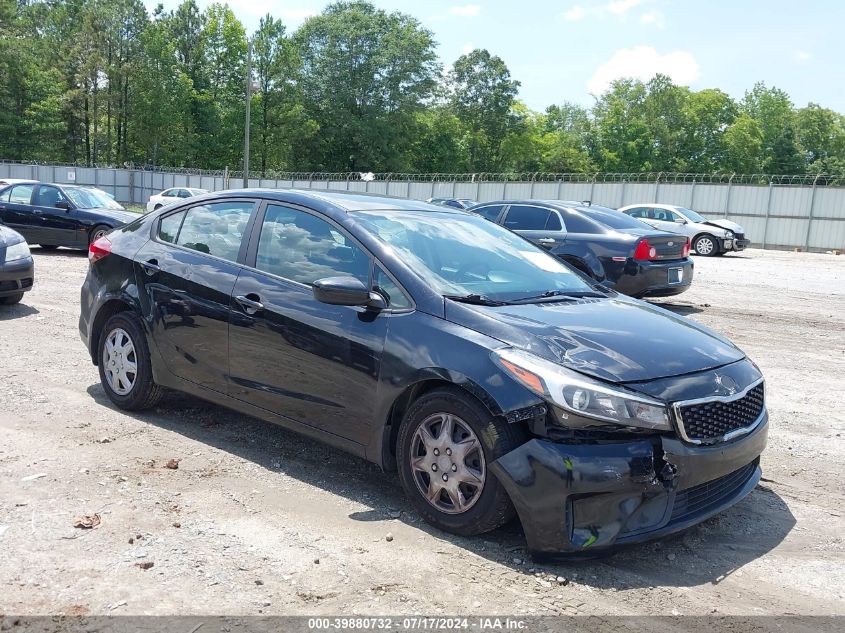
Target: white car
column 707, row 237
column 172, row 195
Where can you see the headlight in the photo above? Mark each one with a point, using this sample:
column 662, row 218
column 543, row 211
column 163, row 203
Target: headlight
column 729, row 234
column 17, row 251
column 580, row 395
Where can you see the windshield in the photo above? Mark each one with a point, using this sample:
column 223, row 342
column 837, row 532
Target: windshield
column 460, row 255
column 611, row 218
column 90, row 199
column 692, row 215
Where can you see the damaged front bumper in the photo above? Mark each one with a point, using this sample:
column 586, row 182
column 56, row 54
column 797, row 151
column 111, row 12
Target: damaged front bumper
column 579, row 497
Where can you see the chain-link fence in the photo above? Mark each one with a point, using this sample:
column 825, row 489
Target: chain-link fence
column 777, row 211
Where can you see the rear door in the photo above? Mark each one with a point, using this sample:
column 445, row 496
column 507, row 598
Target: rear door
column 17, row 212
column 314, row 363
column 186, row 274
column 541, row 225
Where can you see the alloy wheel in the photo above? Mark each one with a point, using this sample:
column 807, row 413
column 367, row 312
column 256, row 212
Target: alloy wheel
column 447, row 463
column 704, row 246
column 120, row 361
column 98, row 234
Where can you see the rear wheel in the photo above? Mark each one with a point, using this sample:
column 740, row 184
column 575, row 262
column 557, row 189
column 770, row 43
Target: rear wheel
column 97, row 232
column 11, row 299
column 124, row 362
column 705, row 245
column 446, row 443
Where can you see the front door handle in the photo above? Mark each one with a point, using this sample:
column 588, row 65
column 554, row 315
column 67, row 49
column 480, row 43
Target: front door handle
column 546, row 240
column 37, row 212
column 250, row 303
column 151, row 267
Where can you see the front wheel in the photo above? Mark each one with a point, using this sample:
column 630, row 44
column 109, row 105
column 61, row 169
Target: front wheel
column 705, row 245
column 446, row 444
column 97, row 232
column 124, row 362
column 9, row 300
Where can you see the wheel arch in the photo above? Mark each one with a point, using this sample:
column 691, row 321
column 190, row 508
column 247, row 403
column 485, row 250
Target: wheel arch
column 385, row 453
column 107, row 310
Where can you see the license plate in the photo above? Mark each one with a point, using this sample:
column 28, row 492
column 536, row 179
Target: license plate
column 676, row 275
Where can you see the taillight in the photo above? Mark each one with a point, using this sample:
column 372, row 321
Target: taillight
column 645, row 251
column 98, row 249
column 685, row 252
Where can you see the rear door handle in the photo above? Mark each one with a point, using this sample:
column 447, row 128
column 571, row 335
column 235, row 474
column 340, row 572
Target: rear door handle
column 250, row 306
column 37, row 212
column 151, row 267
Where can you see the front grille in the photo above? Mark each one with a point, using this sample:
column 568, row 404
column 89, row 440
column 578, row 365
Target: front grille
column 708, row 421
column 739, row 236
column 711, row 494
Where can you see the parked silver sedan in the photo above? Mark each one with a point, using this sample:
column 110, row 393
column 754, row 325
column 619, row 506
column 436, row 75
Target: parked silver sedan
column 707, row 237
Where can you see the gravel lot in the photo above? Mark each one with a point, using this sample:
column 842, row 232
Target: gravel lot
column 256, row 519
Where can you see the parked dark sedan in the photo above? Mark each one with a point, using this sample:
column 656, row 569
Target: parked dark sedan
column 493, row 377
column 60, row 215
column 17, row 270
column 606, row 245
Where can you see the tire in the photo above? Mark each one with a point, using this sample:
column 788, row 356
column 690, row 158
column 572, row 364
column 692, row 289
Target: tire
column 11, row 299
column 143, row 393
column 48, row 247
column 706, row 243
column 488, row 506
column 97, row 232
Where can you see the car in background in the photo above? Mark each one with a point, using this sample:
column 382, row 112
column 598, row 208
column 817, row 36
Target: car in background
column 171, row 196
column 14, row 181
column 455, row 203
column 707, row 237
column 54, row 215
column 17, row 270
column 607, row 246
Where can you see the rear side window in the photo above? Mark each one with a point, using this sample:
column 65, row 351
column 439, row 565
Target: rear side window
column 215, row 229
column 612, row 218
column 490, row 212
column 304, row 248
column 576, row 223
column 525, row 218
column 21, row 194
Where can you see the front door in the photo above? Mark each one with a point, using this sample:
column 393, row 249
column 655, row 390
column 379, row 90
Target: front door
column 290, row 354
column 60, row 226
column 186, row 275
column 541, row 226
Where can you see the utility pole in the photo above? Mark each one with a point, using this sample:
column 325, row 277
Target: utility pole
column 248, row 100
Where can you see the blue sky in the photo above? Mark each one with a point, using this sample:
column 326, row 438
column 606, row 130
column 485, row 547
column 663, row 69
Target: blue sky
column 564, row 51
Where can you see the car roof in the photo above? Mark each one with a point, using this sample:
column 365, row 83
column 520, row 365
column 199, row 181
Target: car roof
column 656, row 205
column 344, row 200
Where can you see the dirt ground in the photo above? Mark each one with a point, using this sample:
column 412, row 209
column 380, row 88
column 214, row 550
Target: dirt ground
column 256, row 519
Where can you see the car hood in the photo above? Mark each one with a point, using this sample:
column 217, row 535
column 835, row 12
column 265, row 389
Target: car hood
column 726, row 224
column 115, row 214
column 9, row 236
column 615, row 339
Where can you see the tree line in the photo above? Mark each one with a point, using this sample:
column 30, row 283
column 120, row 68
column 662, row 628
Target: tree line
column 354, row 88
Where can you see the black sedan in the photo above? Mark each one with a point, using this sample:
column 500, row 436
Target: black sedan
column 60, row 215
column 17, row 270
column 608, row 246
column 495, row 379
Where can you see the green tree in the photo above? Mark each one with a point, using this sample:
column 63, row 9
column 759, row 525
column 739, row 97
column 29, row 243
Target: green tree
column 483, row 95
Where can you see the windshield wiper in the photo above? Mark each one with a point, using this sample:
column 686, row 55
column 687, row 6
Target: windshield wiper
column 559, row 295
column 476, row 299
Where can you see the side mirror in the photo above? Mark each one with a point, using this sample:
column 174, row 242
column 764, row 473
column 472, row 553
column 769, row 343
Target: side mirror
column 63, row 204
column 680, row 221
column 346, row 291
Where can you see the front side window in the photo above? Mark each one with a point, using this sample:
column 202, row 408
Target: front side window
column 48, row 196
column 215, row 229
column 459, row 255
column 491, row 213
column 692, row 215
column 383, row 284
column 21, row 194
column 525, row 218
column 304, row 248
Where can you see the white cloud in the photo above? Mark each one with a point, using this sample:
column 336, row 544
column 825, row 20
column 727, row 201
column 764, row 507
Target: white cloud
column 643, row 62
column 468, row 48
column 465, row 10
column 575, row 13
column 654, row 17
column 803, row 56
column 621, row 7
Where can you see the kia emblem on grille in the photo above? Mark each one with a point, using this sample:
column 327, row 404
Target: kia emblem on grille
column 670, row 243
column 726, row 384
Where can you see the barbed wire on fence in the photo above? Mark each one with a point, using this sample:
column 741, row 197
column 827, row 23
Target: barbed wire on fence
column 652, row 177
